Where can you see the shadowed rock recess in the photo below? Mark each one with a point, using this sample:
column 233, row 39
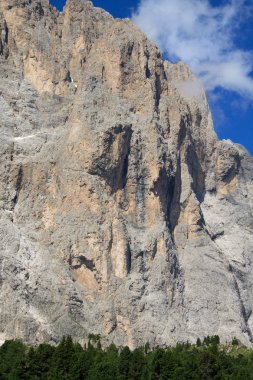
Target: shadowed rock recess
column 122, row 214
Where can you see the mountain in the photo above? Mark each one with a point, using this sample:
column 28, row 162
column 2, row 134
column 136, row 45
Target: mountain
column 122, row 214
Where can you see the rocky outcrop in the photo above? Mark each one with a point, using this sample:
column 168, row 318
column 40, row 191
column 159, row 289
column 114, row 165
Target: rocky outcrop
column 121, row 212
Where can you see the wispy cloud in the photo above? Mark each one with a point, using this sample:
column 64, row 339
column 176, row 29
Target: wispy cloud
column 204, row 37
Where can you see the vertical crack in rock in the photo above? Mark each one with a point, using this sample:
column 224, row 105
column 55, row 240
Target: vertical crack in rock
column 174, row 207
column 196, row 172
column 114, row 169
column 164, row 188
column 158, row 91
column 18, row 185
column 140, row 175
column 4, row 38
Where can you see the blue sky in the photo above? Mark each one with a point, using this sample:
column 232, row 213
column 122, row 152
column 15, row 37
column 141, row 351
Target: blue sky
column 215, row 38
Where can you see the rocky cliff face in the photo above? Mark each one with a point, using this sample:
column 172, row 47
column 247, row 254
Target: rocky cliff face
column 121, row 212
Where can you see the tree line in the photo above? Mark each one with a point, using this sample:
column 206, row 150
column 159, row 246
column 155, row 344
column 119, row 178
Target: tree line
column 206, row 359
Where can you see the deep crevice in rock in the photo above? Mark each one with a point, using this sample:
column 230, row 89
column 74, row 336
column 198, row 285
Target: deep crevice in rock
column 114, row 171
column 128, row 259
column 18, row 185
column 196, row 172
column 158, row 90
column 147, row 71
column 164, row 188
column 174, row 207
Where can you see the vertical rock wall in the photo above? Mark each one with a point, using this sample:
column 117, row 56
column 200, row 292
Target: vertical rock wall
column 121, row 212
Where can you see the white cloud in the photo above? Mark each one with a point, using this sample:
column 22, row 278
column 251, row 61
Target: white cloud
column 203, row 36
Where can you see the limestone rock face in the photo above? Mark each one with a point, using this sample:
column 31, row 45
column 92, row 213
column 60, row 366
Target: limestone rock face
column 121, row 212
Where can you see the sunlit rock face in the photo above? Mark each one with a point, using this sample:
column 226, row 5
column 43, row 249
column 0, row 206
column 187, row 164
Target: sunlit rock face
column 121, row 212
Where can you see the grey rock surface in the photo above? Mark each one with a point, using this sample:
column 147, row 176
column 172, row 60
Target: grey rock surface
column 121, row 213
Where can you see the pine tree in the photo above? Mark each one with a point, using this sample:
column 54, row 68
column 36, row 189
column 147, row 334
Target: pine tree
column 124, row 363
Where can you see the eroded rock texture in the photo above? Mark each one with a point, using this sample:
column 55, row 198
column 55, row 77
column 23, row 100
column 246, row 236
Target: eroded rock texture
column 121, row 212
